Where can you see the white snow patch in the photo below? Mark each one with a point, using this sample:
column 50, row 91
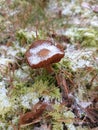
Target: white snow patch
column 29, row 99
column 35, row 59
column 12, row 52
column 94, row 21
column 23, row 50
column 4, row 61
column 13, row 12
column 85, row 5
column 71, row 127
column 7, row 54
column 19, row 73
column 79, row 58
column 67, row 11
column 4, row 101
column 31, row 34
column 3, row 47
column 85, row 104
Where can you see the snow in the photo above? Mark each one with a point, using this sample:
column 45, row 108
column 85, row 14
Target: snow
column 12, row 52
column 19, row 73
column 5, row 61
column 31, row 34
column 29, row 99
column 78, row 58
column 35, row 58
column 14, row 12
column 94, row 21
column 67, row 11
column 4, row 101
column 85, row 104
column 7, row 54
column 85, row 5
column 71, row 127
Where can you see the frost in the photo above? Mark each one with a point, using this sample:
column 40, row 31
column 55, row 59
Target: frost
column 68, row 114
column 32, row 33
column 12, row 52
column 67, row 11
column 20, row 74
column 6, row 51
column 14, row 13
column 5, row 61
column 85, row 104
column 2, row 125
column 3, row 47
column 26, row 35
column 29, row 99
column 77, row 22
column 4, row 101
column 89, row 34
column 35, row 58
column 78, row 58
column 71, row 127
column 23, row 50
column 85, row 5
column 94, row 21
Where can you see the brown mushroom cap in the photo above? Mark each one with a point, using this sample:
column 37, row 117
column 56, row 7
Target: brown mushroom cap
column 43, row 53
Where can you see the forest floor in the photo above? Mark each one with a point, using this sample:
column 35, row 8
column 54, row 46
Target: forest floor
column 32, row 99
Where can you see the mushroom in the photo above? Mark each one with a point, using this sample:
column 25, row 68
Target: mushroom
column 42, row 53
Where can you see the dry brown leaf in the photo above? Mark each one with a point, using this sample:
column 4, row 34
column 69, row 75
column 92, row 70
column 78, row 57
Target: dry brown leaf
column 33, row 116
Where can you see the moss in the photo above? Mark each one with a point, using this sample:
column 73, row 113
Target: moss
column 19, row 89
column 57, row 126
column 59, row 115
column 82, row 128
column 44, row 76
column 42, row 88
column 24, row 36
column 85, row 36
column 5, row 109
column 66, row 63
column 1, row 77
column 29, row 86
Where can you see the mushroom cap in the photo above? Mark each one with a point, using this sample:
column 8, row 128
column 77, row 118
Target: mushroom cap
column 43, row 53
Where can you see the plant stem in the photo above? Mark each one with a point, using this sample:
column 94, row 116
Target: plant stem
column 49, row 69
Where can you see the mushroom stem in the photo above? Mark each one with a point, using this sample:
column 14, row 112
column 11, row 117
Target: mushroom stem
column 49, row 69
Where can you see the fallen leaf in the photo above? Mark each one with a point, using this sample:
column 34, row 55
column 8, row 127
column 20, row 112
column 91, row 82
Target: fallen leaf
column 33, row 116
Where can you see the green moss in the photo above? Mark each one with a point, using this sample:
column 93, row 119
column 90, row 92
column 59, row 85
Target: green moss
column 66, row 63
column 37, row 83
column 83, row 128
column 19, row 89
column 85, row 36
column 57, row 126
column 24, row 36
column 45, row 77
column 44, row 89
column 59, row 115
